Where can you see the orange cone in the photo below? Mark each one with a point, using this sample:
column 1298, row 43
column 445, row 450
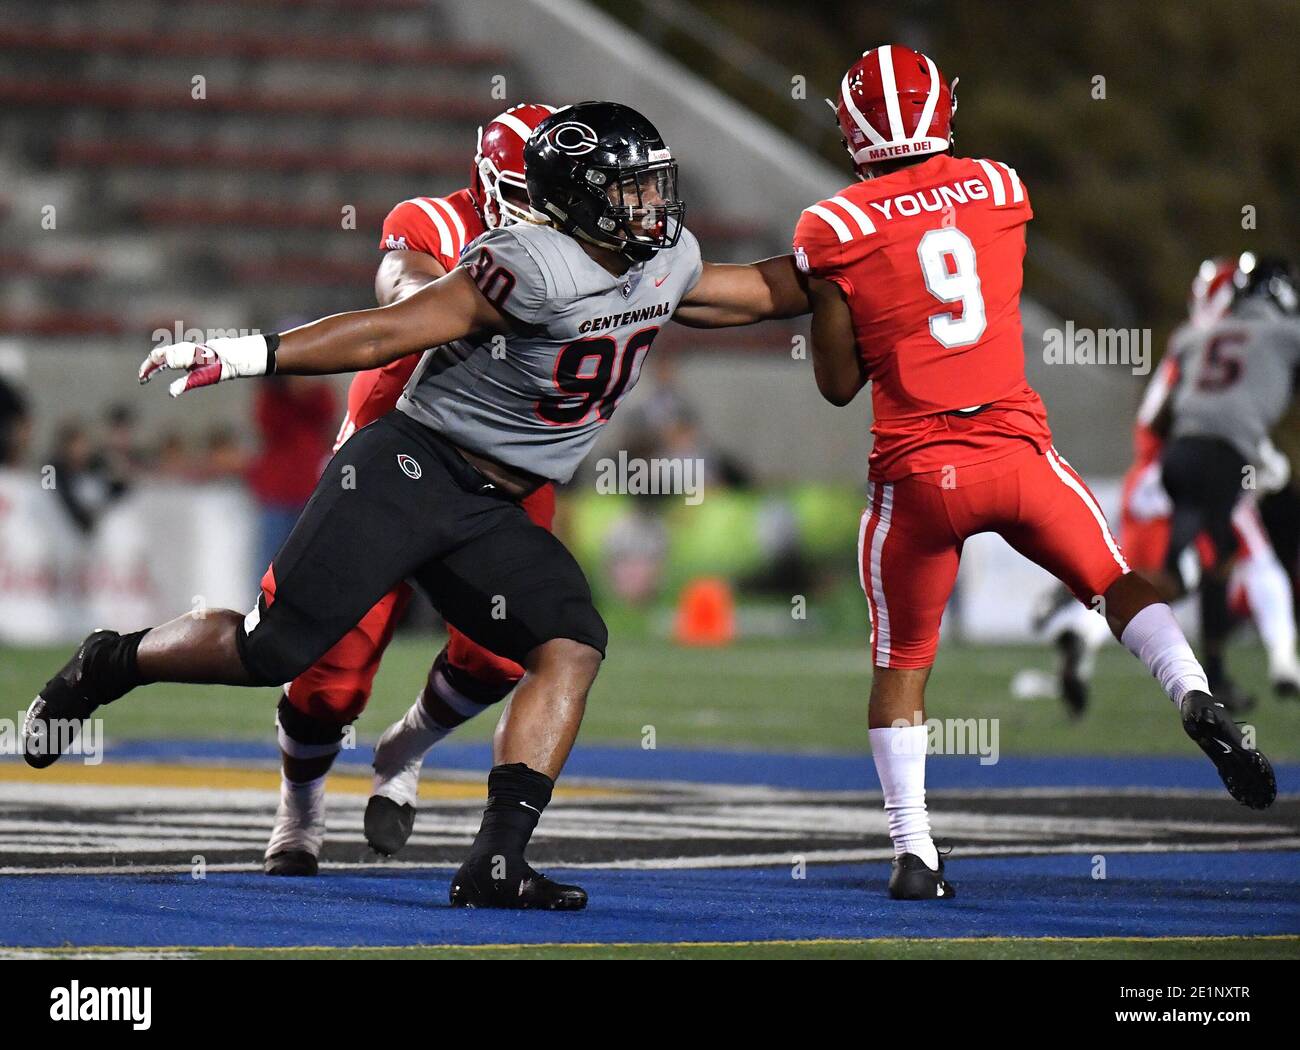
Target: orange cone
column 706, row 613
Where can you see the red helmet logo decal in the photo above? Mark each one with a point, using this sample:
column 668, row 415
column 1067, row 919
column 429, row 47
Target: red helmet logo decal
column 572, row 138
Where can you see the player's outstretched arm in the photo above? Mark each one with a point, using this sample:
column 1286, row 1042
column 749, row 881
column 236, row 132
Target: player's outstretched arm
column 837, row 364
column 730, row 294
column 449, row 308
column 403, row 273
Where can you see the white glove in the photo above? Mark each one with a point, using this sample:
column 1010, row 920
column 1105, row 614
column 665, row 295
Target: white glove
column 1274, row 468
column 215, row 361
column 1148, row 500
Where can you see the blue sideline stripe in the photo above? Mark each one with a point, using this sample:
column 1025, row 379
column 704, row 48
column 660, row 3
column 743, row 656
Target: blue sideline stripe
column 1144, row 895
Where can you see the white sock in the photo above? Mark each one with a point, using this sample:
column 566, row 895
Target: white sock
column 300, row 819
column 1268, row 592
column 400, row 753
column 1155, row 638
column 899, row 754
column 401, row 750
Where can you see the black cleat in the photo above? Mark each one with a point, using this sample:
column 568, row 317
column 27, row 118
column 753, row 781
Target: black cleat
column 66, row 700
column 474, row 887
column 1286, row 689
column 388, row 824
column 292, row 862
column 1074, row 685
column 912, row 880
column 1245, row 772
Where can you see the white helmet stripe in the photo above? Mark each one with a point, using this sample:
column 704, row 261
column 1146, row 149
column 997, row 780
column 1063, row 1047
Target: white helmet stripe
column 832, row 220
column 932, row 100
column 855, row 213
column 447, row 248
column 863, row 124
column 514, row 124
column 890, row 88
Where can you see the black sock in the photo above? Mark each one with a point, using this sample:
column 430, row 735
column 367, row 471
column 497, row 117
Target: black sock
column 516, row 797
column 1214, row 672
column 1216, row 625
column 112, row 670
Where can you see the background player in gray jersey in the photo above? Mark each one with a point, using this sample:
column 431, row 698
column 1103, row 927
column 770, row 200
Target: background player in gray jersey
column 541, row 334
column 1235, row 380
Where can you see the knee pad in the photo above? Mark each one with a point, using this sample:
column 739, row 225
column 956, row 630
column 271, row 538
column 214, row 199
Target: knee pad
column 331, row 697
column 474, row 671
column 303, row 735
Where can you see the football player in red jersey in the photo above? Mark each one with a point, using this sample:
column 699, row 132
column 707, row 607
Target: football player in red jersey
column 422, row 239
column 917, row 272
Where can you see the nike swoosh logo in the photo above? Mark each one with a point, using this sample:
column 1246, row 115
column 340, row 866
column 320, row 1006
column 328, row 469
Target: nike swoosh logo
column 660, row 280
column 533, row 808
column 1226, row 749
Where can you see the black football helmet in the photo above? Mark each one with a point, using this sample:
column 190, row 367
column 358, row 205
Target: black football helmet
column 601, row 172
column 1266, row 277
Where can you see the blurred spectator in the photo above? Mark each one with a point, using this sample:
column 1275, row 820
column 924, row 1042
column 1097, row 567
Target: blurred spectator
column 173, row 461
column 225, row 457
column 295, row 418
column 15, row 425
column 82, row 480
column 665, row 425
column 122, row 456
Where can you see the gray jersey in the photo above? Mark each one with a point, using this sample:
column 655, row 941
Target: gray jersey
column 537, row 398
column 1235, row 376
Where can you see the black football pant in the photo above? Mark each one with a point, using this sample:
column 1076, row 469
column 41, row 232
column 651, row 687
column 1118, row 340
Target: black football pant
column 398, row 501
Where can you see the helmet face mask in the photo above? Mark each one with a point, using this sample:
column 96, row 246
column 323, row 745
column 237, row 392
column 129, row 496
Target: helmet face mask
column 501, row 207
column 601, row 173
column 497, row 181
column 642, row 211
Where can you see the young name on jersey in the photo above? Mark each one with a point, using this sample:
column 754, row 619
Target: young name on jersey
column 929, row 258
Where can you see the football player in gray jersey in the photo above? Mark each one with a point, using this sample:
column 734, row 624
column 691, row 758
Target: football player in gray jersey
column 541, row 332
column 1235, row 380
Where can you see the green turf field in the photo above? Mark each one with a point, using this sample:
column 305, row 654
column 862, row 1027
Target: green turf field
column 769, row 694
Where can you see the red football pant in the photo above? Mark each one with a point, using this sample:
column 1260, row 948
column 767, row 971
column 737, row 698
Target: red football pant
column 912, row 532
column 337, row 687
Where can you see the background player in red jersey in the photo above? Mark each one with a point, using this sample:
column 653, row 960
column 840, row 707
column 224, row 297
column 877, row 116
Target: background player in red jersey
column 422, row 239
column 917, row 275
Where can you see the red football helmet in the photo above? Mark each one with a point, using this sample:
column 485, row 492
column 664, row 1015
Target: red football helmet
column 893, row 103
column 499, row 162
column 1212, row 291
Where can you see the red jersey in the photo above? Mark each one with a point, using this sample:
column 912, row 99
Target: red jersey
column 438, row 226
column 293, row 416
column 930, row 261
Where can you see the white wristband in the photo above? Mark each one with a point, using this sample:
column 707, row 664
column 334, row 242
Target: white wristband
column 243, row 356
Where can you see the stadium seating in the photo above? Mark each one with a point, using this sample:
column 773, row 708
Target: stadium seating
column 228, row 210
